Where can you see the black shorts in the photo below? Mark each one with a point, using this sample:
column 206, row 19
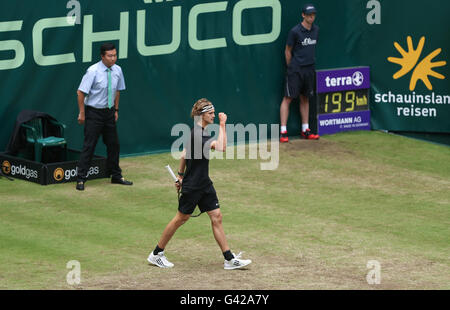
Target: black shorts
column 300, row 82
column 205, row 198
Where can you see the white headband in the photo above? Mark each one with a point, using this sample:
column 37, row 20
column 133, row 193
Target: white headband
column 207, row 108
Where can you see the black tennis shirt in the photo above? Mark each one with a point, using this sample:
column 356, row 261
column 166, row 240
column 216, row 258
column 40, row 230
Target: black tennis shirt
column 198, row 146
column 303, row 43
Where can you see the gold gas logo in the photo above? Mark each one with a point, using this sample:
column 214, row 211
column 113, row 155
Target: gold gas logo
column 58, row 174
column 409, row 60
column 6, row 167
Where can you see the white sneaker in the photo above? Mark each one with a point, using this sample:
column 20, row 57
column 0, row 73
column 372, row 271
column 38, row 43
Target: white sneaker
column 159, row 260
column 236, row 262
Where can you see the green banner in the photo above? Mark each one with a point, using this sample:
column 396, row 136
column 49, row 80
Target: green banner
column 174, row 52
column 408, row 52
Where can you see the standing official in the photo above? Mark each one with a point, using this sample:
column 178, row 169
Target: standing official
column 300, row 78
column 98, row 103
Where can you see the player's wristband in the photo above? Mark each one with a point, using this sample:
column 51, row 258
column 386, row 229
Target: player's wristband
column 181, row 174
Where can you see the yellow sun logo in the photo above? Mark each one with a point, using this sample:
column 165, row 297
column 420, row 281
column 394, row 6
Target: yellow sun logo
column 409, row 60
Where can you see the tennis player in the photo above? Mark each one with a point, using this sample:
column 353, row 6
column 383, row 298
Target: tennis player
column 197, row 188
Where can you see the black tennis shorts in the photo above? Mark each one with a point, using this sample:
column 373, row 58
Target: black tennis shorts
column 205, row 198
column 300, row 82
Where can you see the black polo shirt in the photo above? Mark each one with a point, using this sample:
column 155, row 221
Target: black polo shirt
column 197, row 160
column 303, row 42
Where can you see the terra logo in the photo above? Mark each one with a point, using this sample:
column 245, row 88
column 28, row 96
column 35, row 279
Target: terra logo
column 6, row 167
column 357, row 78
column 409, row 60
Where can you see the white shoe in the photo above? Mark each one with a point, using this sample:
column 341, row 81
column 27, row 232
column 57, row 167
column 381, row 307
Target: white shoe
column 159, row 260
column 236, row 262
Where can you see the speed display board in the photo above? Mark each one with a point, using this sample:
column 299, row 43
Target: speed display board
column 343, row 100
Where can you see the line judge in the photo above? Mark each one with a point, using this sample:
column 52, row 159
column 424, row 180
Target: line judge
column 98, row 103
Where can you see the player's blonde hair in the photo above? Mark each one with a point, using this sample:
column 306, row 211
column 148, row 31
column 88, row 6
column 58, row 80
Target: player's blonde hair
column 199, row 106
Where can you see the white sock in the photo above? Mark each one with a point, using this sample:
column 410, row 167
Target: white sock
column 283, row 129
column 305, row 126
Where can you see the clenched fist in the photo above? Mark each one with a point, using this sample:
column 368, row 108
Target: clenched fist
column 222, row 118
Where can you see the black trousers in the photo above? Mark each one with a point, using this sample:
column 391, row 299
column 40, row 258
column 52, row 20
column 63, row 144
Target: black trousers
column 100, row 122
